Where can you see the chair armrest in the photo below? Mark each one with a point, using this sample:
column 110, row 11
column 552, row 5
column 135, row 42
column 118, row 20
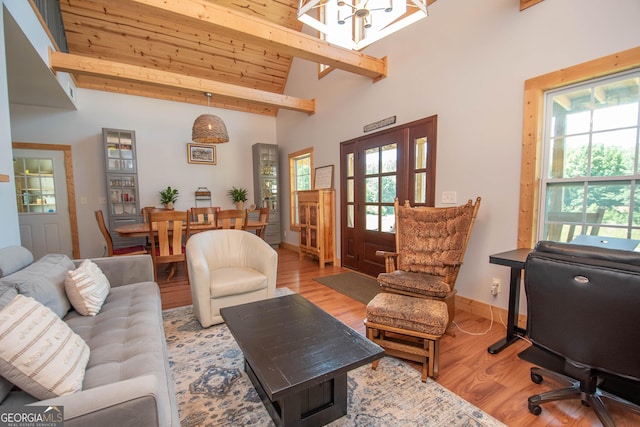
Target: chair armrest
column 200, row 280
column 389, row 260
column 133, row 402
column 125, row 270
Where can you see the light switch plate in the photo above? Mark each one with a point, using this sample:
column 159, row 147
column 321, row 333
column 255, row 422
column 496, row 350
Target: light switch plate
column 449, row 197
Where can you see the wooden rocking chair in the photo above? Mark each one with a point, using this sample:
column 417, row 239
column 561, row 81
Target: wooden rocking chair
column 430, row 246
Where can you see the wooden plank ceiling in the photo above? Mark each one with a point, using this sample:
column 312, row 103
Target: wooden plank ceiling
column 240, row 50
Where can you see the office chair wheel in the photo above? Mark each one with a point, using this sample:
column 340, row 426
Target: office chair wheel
column 536, row 378
column 535, row 409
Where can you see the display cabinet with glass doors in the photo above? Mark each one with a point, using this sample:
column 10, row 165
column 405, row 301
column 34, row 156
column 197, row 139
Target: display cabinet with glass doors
column 266, row 171
column 122, row 182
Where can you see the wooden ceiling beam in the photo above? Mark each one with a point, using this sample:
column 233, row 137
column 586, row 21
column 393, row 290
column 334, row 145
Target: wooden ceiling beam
column 83, row 65
column 227, row 22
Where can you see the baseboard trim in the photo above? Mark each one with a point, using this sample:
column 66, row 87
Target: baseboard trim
column 484, row 310
column 288, row 246
column 462, row 303
column 295, row 248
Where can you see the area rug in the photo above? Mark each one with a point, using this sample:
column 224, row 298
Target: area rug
column 212, row 388
column 354, row 285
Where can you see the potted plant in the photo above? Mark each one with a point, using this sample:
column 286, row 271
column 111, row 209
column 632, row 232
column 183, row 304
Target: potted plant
column 239, row 196
column 168, row 196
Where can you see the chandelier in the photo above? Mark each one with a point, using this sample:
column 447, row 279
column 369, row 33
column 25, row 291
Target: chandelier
column 355, row 24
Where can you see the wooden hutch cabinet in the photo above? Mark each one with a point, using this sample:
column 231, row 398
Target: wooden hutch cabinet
column 316, row 209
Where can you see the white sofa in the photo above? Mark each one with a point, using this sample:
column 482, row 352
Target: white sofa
column 227, row 268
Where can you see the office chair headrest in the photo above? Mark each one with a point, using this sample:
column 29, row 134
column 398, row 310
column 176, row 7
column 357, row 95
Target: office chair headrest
column 592, row 252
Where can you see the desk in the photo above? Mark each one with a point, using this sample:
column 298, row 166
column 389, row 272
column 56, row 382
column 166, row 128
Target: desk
column 142, row 229
column 515, row 260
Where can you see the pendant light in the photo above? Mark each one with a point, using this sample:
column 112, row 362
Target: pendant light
column 209, row 129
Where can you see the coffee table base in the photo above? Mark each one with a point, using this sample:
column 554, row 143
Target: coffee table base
column 317, row 405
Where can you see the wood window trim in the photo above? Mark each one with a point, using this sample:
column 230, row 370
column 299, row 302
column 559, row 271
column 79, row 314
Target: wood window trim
column 71, row 192
column 528, row 3
column 532, row 138
column 292, row 207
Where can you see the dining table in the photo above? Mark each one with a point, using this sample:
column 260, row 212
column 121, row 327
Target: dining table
column 142, row 229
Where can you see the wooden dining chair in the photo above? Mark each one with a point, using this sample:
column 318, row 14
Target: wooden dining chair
column 129, row 250
column 148, row 209
column 204, row 215
column 264, row 219
column 168, row 232
column 232, row 218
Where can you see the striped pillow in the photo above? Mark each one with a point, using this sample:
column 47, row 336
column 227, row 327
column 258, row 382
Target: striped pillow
column 38, row 351
column 87, row 288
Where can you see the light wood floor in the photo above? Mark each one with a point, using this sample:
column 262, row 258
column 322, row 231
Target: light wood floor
column 498, row 384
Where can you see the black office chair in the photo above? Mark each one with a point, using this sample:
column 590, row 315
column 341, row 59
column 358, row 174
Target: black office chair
column 583, row 308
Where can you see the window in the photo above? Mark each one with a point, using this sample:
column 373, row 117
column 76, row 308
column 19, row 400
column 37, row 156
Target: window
column 300, row 178
column 35, row 190
column 590, row 172
column 532, row 137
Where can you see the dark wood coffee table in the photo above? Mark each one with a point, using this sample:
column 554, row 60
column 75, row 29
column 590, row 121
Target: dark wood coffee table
column 297, row 357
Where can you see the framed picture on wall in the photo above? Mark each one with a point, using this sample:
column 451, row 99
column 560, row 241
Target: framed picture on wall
column 323, row 178
column 201, row 154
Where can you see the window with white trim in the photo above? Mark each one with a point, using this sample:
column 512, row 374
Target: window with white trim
column 590, row 172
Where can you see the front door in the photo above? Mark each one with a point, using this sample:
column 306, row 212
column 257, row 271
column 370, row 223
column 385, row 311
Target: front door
column 43, row 201
column 376, row 169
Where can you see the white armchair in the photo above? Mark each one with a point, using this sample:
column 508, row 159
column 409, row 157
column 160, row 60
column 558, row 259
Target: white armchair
column 226, row 268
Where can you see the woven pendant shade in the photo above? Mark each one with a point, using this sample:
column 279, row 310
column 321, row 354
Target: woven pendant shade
column 209, row 129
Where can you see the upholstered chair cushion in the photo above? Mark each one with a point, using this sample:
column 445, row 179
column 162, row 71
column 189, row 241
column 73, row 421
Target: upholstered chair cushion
column 411, row 313
column 417, row 283
column 430, row 239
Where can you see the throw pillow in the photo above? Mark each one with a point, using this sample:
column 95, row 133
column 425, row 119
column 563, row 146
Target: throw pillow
column 38, row 351
column 44, row 281
column 87, row 288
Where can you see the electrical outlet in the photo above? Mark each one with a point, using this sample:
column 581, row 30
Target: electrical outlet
column 495, row 287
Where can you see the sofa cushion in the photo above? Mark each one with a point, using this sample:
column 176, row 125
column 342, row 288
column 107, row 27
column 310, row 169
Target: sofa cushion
column 44, row 281
column 235, row 281
column 38, row 351
column 7, row 294
column 87, row 288
column 14, row 258
column 126, row 338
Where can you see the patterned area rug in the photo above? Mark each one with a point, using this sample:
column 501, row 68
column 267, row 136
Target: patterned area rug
column 213, row 390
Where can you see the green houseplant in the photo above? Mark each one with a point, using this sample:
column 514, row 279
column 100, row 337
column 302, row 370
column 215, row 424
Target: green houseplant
column 239, row 196
column 168, row 196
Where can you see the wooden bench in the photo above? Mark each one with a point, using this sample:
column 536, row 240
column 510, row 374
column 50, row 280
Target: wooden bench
column 408, row 327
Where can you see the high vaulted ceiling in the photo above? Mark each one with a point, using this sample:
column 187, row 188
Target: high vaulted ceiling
column 239, row 50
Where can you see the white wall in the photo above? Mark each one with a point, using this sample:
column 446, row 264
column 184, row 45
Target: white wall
column 163, row 129
column 467, row 63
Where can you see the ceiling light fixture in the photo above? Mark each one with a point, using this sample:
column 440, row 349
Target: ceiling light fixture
column 355, row 24
column 209, row 129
